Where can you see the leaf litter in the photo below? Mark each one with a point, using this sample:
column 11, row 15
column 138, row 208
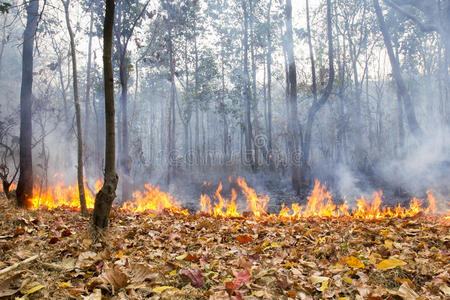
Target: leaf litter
column 171, row 256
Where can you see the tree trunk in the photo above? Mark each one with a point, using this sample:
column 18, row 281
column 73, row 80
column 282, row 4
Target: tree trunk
column 125, row 159
column 76, row 100
column 396, row 72
column 88, row 81
column 293, row 124
column 171, row 155
column 247, row 94
column 269, row 87
column 25, row 184
column 105, row 197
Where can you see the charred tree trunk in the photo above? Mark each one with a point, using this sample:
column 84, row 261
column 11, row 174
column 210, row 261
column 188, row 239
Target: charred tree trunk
column 76, row 101
column 105, row 197
column 396, row 72
column 25, row 184
column 293, row 124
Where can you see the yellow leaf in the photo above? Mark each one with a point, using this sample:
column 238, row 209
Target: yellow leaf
column 181, row 257
column 347, row 279
column 354, row 262
column 64, row 284
column 391, row 263
column 318, row 279
column 324, row 285
column 388, row 244
column 161, row 289
column 34, row 289
column 174, row 272
column 119, row 254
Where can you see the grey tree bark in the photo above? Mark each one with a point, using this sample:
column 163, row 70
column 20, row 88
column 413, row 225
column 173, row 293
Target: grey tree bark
column 76, row 101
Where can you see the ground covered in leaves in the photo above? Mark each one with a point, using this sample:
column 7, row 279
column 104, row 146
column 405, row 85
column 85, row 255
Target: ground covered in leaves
column 169, row 256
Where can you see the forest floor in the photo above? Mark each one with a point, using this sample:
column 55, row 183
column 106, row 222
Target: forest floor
column 169, row 256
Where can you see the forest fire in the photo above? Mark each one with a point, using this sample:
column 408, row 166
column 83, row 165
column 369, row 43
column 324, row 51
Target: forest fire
column 154, row 200
column 319, row 203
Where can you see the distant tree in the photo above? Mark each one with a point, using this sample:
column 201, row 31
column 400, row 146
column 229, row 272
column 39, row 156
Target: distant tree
column 106, row 195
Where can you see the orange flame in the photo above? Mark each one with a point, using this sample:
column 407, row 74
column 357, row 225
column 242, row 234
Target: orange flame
column 152, row 199
column 319, row 203
column 61, row 196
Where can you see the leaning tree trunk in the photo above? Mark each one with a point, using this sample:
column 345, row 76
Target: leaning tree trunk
column 105, row 197
column 76, row 101
column 293, row 124
column 25, row 184
column 396, row 72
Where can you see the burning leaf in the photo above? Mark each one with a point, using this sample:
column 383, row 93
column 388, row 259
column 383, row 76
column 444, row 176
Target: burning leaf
column 391, row 263
column 354, row 262
column 195, row 275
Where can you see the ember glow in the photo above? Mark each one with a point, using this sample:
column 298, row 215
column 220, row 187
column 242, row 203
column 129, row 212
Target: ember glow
column 319, row 203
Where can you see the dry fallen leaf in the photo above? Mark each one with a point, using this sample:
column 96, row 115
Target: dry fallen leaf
column 115, row 277
column 391, row 263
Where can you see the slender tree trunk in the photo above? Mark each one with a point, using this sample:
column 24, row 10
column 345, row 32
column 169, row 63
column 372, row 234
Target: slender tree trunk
column 247, row 94
column 171, row 149
column 125, row 159
column 25, row 184
column 293, row 124
column 317, row 105
column 76, row 100
column 396, row 72
column 269, row 87
column 4, row 41
column 105, row 197
column 88, row 82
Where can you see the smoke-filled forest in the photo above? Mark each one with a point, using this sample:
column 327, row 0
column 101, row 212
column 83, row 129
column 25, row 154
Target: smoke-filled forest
column 214, row 149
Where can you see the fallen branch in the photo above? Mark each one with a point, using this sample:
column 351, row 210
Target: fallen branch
column 16, row 265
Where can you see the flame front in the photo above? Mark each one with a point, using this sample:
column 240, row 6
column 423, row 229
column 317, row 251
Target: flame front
column 319, row 203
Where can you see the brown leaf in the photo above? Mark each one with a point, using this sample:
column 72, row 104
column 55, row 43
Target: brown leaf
column 142, row 272
column 115, row 277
